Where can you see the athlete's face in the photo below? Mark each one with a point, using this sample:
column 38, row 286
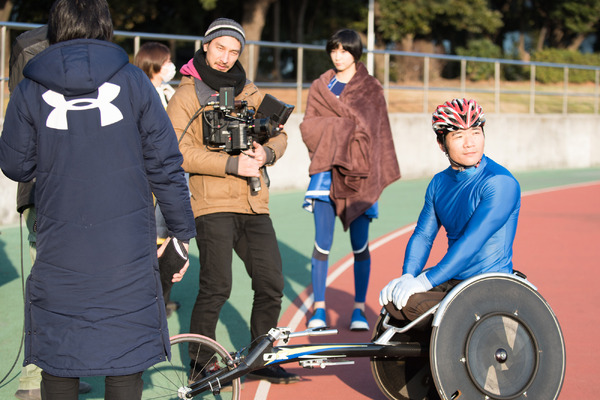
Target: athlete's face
column 465, row 146
column 342, row 59
column 222, row 52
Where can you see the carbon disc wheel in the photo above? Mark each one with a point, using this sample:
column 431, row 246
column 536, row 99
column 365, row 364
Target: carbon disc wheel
column 498, row 339
column 501, row 356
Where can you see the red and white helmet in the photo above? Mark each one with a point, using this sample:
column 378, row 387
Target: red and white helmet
column 457, row 114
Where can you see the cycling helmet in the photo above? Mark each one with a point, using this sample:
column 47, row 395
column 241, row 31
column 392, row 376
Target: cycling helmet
column 457, row 114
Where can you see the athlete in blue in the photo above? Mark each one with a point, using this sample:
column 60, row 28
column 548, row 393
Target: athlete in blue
column 476, row 200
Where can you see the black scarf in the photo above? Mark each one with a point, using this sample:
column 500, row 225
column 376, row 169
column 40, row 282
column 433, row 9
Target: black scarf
column 235, row 77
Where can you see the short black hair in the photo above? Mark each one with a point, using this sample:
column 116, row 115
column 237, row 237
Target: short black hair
column 79, row 19
column 349, row 40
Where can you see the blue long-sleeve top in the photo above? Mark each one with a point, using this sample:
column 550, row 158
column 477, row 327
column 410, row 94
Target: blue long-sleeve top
column 479, row 209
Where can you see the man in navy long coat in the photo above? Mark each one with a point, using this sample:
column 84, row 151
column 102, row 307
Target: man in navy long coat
column 92, row 131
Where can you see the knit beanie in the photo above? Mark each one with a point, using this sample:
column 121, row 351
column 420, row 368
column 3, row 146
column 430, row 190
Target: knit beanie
column 225, row 27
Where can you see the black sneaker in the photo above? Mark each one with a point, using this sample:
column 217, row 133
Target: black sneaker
column 274, row 374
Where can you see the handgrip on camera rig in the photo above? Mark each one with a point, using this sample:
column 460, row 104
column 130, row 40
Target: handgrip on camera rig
column 255, row 186
column 255, row 183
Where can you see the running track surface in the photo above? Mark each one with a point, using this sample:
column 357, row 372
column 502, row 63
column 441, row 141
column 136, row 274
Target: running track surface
column 557, row 246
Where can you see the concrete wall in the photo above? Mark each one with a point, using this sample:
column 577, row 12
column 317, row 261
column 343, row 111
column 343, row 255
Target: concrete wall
column 518, row 141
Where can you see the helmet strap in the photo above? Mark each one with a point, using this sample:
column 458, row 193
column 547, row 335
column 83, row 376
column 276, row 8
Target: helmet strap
column 461, row 167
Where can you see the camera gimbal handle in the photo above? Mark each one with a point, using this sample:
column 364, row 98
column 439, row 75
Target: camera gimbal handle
column 255, row 186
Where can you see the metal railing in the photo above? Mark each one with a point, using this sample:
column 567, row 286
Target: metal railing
column 424, row 86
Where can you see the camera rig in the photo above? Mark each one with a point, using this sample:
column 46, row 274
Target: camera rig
column 232, row 125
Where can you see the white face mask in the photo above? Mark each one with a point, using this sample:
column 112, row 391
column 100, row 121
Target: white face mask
column 167, row 72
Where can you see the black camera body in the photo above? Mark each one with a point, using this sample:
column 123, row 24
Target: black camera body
column 232, row 126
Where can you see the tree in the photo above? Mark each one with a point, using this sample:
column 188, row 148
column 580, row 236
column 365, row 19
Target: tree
column 311, row 21
column 517, row 16
column 253, row 22
column 402, row 21
column 579, row 18
column 564, row 24
column 5, row 9
column 453, row 22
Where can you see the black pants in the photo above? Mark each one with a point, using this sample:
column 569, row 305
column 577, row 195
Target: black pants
column 254, row 241
column 124, row 387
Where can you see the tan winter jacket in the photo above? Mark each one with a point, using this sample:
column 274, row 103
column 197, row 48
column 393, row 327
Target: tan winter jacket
column 213, row 190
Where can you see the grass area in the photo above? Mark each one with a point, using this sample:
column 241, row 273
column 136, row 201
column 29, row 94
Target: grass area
column 409, row 97
column 514, row 96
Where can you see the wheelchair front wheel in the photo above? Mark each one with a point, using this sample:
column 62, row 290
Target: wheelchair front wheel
column 402, row 378
column 171, row 379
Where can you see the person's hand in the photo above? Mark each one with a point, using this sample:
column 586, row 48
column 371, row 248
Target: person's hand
column 386, row 294
column 408, row 287
column 178, row 276
column 258, row 153
column 248, row 164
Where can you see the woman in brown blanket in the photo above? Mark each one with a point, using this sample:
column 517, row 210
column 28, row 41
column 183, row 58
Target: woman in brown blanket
column 347, row 132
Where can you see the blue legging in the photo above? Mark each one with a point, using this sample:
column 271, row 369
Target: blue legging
column 324, row 213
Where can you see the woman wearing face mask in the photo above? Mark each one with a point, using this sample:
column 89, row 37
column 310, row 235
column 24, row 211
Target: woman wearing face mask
column 155, row 60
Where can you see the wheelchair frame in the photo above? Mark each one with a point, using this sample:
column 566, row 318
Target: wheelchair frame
column 452, row 383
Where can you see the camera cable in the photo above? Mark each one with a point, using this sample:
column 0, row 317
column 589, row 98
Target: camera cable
column 190, row 122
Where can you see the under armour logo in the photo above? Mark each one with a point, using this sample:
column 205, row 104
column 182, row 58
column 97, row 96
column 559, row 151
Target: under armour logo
column 109, row 113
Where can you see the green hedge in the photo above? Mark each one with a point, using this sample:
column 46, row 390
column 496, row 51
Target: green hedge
column 477, row 71
column 555, row 75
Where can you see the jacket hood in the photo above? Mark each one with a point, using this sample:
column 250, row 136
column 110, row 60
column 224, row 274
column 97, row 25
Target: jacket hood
column 76, row 67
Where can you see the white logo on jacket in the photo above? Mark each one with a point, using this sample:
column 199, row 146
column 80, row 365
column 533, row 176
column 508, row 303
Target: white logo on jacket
column 109, row 113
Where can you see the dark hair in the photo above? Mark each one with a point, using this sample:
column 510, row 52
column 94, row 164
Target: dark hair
column 150, row 57
column 79, row 19
column 349, row 40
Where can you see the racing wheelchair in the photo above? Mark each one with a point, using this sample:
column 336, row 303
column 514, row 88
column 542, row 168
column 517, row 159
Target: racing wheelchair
column 492, row 337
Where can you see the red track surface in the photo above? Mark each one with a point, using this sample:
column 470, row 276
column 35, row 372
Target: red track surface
column 557, row 247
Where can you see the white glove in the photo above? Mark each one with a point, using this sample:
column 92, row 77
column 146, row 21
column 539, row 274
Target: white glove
column 409, row 287
column 386, row 294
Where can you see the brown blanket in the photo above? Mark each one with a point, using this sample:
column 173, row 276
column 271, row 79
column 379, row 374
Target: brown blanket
column 351, row 136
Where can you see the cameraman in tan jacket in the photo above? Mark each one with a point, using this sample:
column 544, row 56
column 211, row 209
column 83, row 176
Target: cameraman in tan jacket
column 229, row 214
